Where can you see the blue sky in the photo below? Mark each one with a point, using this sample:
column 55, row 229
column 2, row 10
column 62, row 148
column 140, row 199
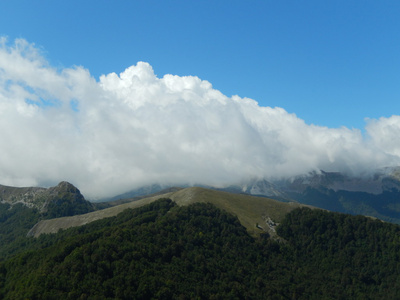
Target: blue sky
column 114, row 95
column 332, row 63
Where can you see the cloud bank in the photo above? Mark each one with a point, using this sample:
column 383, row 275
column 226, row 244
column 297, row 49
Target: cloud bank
column 123, row 131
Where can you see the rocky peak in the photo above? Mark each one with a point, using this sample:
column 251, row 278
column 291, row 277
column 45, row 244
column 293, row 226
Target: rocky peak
column 62, row 200
column 65, row 200
column 66, row 189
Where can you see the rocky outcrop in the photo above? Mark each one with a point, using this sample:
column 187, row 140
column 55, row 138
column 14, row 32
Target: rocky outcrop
column 32, row 197
column 61, row 200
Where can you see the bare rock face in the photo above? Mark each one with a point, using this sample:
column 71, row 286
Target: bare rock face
column 262, row 188
column 28, row 196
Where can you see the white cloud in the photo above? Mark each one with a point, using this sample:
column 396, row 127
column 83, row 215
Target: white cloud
column 126, row 130
column 385, row 134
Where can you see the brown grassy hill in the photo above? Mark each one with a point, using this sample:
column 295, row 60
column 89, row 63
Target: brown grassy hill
column 257, row 214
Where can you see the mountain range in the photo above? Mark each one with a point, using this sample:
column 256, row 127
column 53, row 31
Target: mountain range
column 256, row 240
column 376, row 195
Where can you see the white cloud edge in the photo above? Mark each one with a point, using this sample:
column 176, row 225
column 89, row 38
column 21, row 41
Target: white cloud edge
column 134, row 128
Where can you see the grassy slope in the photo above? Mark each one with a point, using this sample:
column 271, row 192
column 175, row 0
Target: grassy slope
column 250, row 210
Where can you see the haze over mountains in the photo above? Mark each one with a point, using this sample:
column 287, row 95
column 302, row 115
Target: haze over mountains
column 374, row 194
column 136, row 128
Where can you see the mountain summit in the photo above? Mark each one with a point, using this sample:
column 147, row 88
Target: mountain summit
column 65, row 200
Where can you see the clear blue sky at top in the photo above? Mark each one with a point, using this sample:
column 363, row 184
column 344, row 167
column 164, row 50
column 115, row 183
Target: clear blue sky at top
column 332, row 63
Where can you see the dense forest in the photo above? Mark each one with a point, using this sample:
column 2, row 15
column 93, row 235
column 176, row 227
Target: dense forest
column 15, row 222
column 162, row 251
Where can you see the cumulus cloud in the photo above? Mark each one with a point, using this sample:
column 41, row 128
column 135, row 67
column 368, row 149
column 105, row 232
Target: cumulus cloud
column 385, row 134
column 122, row 131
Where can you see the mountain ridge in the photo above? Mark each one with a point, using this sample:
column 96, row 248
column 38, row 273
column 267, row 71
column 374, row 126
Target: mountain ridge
column 375, row 195
column 252, row 211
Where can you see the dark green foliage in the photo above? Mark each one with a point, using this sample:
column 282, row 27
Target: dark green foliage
column 65, row 207
column 359, row 257
column 15, row 222
column 188, row 252
column 161, row 251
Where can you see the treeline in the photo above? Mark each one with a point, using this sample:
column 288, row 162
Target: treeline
column 161, row 251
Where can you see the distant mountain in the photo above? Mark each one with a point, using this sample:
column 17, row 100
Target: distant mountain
column 375, row 183
column 376, row 194
column 258, row 187
column 138, row 192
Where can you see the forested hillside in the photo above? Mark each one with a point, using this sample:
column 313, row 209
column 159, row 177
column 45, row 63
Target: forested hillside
column 15, row 222
column 162, row 251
